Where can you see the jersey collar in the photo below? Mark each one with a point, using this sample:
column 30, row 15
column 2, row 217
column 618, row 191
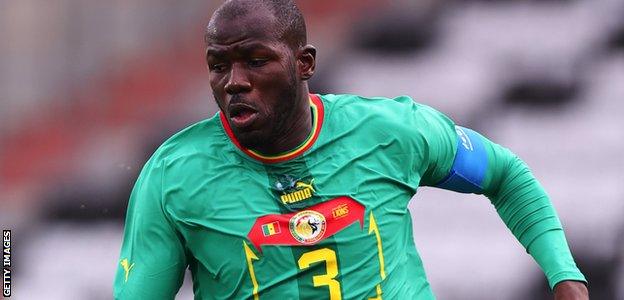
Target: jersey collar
column 316, row 105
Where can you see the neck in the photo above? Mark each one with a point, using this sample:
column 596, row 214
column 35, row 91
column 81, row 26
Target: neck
column 295, row 128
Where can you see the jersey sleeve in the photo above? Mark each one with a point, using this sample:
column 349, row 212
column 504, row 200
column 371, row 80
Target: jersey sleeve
column 152, row 260
column 462, row 160
column 525, row 207
column 436, row 144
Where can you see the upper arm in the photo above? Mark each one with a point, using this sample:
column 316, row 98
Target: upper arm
column 152, row 260
column 478, row 165
column 470, row 165
column 457, row 158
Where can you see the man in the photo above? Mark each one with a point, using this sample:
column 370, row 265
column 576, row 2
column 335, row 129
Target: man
column 301, row 196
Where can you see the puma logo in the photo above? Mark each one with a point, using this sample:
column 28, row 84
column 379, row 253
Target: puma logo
column 303, row 185
column 127, row 267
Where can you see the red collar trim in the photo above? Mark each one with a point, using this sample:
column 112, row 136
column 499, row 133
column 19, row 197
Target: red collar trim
column 318, row 113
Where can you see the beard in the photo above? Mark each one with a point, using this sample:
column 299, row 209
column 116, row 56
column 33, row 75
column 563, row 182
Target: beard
column 286, row 111
column 279, row 119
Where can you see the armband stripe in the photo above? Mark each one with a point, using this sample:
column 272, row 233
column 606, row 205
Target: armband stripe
column 470, row 164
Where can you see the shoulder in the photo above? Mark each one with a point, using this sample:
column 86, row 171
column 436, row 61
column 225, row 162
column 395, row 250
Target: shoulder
column 349, row 102
column 200, row 137
column 398, row 112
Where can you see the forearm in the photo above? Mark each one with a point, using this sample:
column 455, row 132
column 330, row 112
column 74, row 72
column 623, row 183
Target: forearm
column 528, row 212
column 551, row 252
column 519, row 199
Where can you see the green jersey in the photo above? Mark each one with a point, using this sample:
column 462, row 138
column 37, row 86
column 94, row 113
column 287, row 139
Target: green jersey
column 327, row 220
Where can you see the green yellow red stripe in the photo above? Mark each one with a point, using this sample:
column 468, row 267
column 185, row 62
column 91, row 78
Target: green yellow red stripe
column 317, row 122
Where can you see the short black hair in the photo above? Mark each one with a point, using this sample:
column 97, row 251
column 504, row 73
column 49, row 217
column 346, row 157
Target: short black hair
column 291, row 26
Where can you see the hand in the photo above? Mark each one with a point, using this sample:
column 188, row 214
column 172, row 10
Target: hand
column 571, row 290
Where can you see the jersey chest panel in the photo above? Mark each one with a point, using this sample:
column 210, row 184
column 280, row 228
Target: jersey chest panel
column 219, row 208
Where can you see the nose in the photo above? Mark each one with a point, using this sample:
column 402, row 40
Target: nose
column 238, row 81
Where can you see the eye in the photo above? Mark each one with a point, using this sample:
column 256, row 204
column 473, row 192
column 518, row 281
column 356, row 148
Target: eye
column 257, row 62
column 220, row 67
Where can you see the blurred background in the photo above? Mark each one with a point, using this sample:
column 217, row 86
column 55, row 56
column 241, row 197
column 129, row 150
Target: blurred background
column 89, row 89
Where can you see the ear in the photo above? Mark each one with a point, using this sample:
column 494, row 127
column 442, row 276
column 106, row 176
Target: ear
column 306, row 61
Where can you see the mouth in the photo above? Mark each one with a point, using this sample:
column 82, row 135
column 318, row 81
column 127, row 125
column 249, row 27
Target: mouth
column 242, row 115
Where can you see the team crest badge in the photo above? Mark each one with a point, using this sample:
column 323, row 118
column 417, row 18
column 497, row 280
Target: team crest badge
column 308, row 226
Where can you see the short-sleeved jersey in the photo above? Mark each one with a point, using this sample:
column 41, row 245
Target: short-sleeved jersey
column 328, row 220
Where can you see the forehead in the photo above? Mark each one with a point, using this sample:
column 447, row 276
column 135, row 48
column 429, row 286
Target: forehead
column 258, row 24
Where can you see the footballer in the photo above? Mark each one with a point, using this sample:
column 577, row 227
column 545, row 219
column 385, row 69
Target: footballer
column 287, row 194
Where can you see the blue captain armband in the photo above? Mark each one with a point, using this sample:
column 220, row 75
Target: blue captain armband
column 470, row 165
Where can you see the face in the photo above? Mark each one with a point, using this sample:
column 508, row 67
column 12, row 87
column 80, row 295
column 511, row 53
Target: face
column 253, row 76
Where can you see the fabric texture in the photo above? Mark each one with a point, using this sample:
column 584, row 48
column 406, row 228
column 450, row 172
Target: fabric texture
column 329, row 222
